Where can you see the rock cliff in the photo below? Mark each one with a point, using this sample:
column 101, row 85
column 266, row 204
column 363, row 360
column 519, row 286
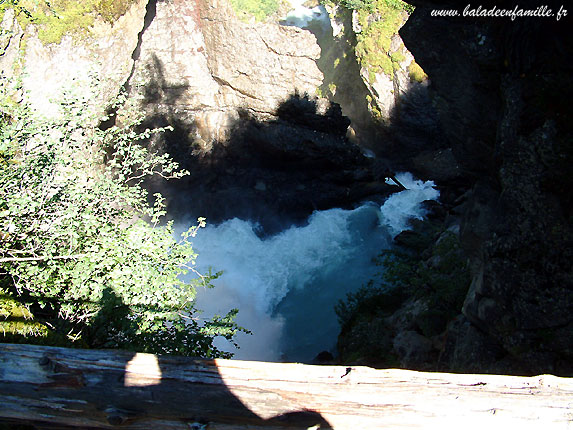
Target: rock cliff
column 48, row 70
column 197, row 58
column 248, row 125
column 241, row 97
column 501, row 90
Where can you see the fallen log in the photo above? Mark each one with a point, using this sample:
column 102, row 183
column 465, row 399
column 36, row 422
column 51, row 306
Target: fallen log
column 105, row 389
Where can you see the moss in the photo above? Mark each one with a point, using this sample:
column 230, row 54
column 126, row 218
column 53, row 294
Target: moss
column 371, row 76
column 19, row 325
column 375, row 111
column 259, row 9
column 416, row 73
column 111, row 10
column 373, row 43
column 332, row 88
column 398, row 56
column 75, row 17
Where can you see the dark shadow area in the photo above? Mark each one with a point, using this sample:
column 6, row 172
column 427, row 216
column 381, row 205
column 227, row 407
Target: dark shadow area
column 274, row 172
column 491, row 132
column 411, row 139
column 118, row 394
column 492, row 128
column 342, row 81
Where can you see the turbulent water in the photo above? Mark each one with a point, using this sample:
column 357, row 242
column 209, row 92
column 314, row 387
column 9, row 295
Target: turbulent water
column 285, row 286
column 301, row 16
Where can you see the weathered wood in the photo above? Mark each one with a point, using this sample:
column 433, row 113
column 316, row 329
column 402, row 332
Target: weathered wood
column 111, row 389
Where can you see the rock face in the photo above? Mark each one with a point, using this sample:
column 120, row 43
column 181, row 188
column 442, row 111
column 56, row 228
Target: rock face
column 385, row 90
column 198, row 61
column 240, row 96
column 248, row 126
column 47, row 70
column 501, row 89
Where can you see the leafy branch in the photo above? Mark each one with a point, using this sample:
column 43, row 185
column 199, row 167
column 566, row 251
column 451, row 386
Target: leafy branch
column 81, row 245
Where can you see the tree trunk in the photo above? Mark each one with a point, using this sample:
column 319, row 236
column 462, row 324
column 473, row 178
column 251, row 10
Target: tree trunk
column 58, row 387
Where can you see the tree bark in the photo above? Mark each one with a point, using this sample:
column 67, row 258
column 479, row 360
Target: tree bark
column 107, row 389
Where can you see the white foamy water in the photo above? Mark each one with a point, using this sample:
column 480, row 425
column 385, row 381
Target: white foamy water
column 301, row 16
column 285, row 286
column 399, row 208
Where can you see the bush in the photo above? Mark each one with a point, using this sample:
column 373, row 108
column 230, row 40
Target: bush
column 407, row 274
column 373, row 5
column 81, row 249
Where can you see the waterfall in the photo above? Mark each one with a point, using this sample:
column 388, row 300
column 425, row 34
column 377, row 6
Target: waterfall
column 285, row 286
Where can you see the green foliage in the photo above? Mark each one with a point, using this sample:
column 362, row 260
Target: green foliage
column 260, row 9
column 80, row 245
column 416, row 73
column 56, row 18
column 398, row 56
column 368, row 301
column 379, row 21
column 428, row 269
column 374, row 5
column 16, row 320
column 111, row 10
column 373, row 42
column 443, row 278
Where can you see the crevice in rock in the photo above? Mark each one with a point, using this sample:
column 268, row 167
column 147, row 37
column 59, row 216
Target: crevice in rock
column 281, row 54
column 226, row 83
column 150, row 12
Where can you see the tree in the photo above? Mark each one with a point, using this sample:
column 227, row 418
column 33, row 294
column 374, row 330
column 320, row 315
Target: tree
column 81, row 248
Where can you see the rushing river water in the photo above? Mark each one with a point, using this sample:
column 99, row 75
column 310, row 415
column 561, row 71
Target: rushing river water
column 286, row 285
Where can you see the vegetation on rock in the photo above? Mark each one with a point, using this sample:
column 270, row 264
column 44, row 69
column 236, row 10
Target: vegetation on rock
column 416, row 73
column 421, row 288
column 57, row 18
column 378, row 21
column 84, row 259
column 260, row 9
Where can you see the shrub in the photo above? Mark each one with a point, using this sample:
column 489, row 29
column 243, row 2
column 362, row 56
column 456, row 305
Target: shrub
column 373, row 42
column 373, row 5
column 81, row 249
column 406, row 273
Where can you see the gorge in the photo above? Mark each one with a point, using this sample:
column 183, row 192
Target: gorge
column 260, row 113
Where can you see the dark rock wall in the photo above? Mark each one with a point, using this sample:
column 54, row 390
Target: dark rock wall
column 502, row 91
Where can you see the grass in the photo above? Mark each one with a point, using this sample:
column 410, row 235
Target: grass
column 17, row 322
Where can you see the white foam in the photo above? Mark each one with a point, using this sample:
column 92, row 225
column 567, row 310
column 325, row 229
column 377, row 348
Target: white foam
column 301, row 16
column 399, row 208
column 288, row 284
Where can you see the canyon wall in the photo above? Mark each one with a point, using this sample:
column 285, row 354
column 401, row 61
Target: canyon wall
column 501, row 89
column 240, row 96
